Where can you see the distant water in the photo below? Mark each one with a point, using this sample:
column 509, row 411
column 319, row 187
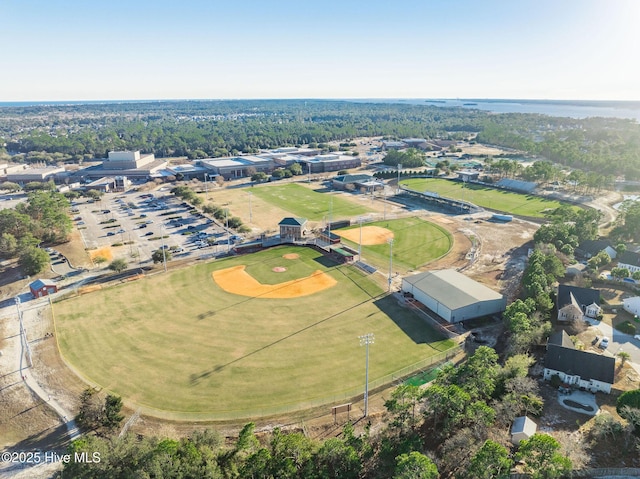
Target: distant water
column 563, row 108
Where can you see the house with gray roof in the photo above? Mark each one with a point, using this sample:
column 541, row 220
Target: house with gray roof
column 629, row 260
column 590, row 248
column 574, row 303
column 583, row 369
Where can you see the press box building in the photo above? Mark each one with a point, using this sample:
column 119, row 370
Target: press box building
column 453, row 296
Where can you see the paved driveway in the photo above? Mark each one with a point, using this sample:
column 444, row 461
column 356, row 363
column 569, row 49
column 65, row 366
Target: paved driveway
column 620, row 342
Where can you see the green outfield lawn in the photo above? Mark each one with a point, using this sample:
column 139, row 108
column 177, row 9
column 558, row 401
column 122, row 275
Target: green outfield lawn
column 306, row 203
column 415, row 243
column 178, row 343
column 500, row 200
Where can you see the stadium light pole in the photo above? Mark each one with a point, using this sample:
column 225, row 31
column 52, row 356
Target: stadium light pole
column 390, row 241
column 250, row 212
column 164, row 254
column 360, row 243
column 384, row 201
column 366, row 340
column 206, row 189
column 398, row 185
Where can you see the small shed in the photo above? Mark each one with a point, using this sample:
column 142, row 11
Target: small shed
column 43, row 287
column 523, row 428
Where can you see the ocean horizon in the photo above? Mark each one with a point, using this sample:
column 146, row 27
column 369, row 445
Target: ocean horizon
column 560, row 108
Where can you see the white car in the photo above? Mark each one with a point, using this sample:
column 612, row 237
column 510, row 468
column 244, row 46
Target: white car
column 604, row 344
column 637, row 336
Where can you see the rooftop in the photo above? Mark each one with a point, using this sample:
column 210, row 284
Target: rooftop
column 453, row 289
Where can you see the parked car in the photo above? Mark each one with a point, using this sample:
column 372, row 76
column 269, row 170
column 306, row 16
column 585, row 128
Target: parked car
column 148, row 233
column 637, row 336
column 604, row 344
column 111, row 233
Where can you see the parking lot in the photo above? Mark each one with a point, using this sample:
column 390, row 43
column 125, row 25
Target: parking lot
column 134, row 225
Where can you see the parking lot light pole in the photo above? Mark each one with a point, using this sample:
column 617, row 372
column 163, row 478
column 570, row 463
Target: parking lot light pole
column 164, row 254
column 366, row 340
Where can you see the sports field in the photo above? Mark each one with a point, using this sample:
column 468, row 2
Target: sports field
column 184, row 345
column 500, row 200
column 415, row 243
column 308, row 203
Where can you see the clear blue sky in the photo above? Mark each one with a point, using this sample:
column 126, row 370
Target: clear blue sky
column 135, row 49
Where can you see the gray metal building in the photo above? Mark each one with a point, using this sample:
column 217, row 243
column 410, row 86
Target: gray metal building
column 453, row 296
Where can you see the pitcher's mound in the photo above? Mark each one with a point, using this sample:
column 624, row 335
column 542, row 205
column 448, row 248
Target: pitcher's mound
column 291, row 256
column 371, row 235
column 279, row 269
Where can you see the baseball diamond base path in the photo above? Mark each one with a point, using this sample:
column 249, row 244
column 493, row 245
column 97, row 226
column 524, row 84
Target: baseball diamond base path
column 236, row 280
column 371, row 235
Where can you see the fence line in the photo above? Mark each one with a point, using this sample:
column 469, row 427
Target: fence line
column 587, row 473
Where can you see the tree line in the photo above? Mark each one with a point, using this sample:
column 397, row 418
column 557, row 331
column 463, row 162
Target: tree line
column 54, row 134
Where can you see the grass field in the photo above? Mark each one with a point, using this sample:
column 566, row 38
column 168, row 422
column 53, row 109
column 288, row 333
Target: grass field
column 416, row 242
column 178, row 343
column 500, row 200
column 307, row 203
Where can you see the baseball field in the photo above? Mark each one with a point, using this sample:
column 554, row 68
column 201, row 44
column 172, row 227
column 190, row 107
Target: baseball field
column 415, row 242
column 200, row 343
column 500, row 200
column 308, row 203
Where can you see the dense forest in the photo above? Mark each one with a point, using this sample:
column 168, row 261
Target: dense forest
column 198, row 129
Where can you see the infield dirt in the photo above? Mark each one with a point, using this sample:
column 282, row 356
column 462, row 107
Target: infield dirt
column 236, row 280
column 371, row 235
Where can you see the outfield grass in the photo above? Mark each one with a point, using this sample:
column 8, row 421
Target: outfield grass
column 416, row 242
column 178, row 343
column 500, row 200
column 306, row 203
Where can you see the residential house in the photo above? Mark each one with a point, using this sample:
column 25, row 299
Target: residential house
column 583, row 369
column 629, row 260
column 590, row 248
column 632, row 305
column 575, row 303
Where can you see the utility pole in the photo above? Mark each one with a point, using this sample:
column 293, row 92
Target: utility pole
column 366, row 340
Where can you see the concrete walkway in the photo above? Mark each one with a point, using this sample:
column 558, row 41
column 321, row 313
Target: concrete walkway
column 581, row 397
column 616, row 338
column 21, row 364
